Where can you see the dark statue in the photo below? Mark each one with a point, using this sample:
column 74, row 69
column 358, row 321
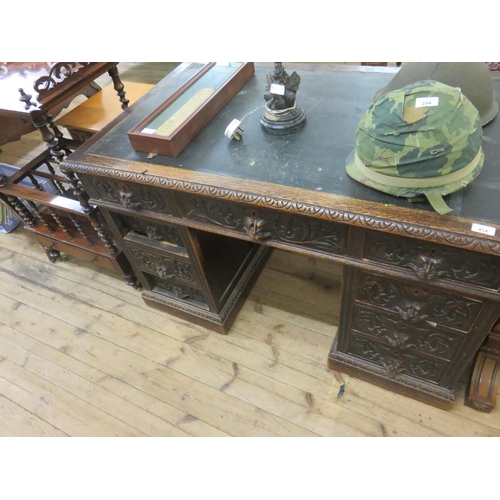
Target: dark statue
column 282, row 115
column 291, row 83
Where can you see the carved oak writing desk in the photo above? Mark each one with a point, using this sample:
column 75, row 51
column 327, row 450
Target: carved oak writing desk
column 420, row 291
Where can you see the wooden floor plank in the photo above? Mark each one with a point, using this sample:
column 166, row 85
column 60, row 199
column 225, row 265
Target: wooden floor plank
column 56, row 406
column 231, row 414
column 16, row 421
column 20, row 243
column 176, row 351
column 84, row 389
column 124, row 334
column 73, row 357
column 174, row 354
column 138, row 365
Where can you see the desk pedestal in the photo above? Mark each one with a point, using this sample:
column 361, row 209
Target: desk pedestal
column 190, row 273
column 408, row 336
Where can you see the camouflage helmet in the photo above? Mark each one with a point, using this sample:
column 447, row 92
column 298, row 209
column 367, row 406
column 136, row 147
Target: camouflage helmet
column 423, row 139
column 473, row 79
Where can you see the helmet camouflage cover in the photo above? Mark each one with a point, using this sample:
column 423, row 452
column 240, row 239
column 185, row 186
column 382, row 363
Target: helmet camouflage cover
column 422, row 139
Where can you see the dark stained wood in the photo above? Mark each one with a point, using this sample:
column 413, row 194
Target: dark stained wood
column 47, row 199
column 57, row 219
column 15, row 120
column 292, row 193
column 63, row 82
column 191, row 274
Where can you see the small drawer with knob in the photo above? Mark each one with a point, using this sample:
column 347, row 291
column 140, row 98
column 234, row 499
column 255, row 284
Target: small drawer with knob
column 431, row 262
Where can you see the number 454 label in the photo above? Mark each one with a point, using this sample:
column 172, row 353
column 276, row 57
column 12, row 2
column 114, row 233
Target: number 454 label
column 479, row 228
column 425, row 102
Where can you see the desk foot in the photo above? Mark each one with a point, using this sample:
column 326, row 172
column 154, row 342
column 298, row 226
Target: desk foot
column 482, row 392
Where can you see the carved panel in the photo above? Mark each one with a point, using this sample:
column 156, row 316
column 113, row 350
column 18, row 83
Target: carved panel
column 164, row 267
column 433, row 262
column 264, row 225
column 180, row 290
column 58, row 73
column 153, row 231
column 440, row 236
column 365, row 367
column 127, row 195
column 405, row 335
column 415, row 303
column 395, row 360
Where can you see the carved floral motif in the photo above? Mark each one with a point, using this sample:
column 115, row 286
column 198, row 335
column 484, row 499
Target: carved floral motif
column 443, row 393
column 155, row 232
column 133, row 196
column 405, row 335
column 235, row 296
column 431, row 262
column 415, row 303
column 182, row 291
column 262, row 225
column 396, row 361
column 164, row 267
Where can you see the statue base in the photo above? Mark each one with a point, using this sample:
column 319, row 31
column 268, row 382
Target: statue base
column 283, row 124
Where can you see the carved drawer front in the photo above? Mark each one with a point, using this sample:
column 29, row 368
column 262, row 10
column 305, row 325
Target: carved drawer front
column 161, row 237
column 415, row 303
column 433, row 262
column 166, row 268
column 181, row 291
column 265, row 225
column 405, row 335
column 397, row 361
column 128, row 195
column 154, row 231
